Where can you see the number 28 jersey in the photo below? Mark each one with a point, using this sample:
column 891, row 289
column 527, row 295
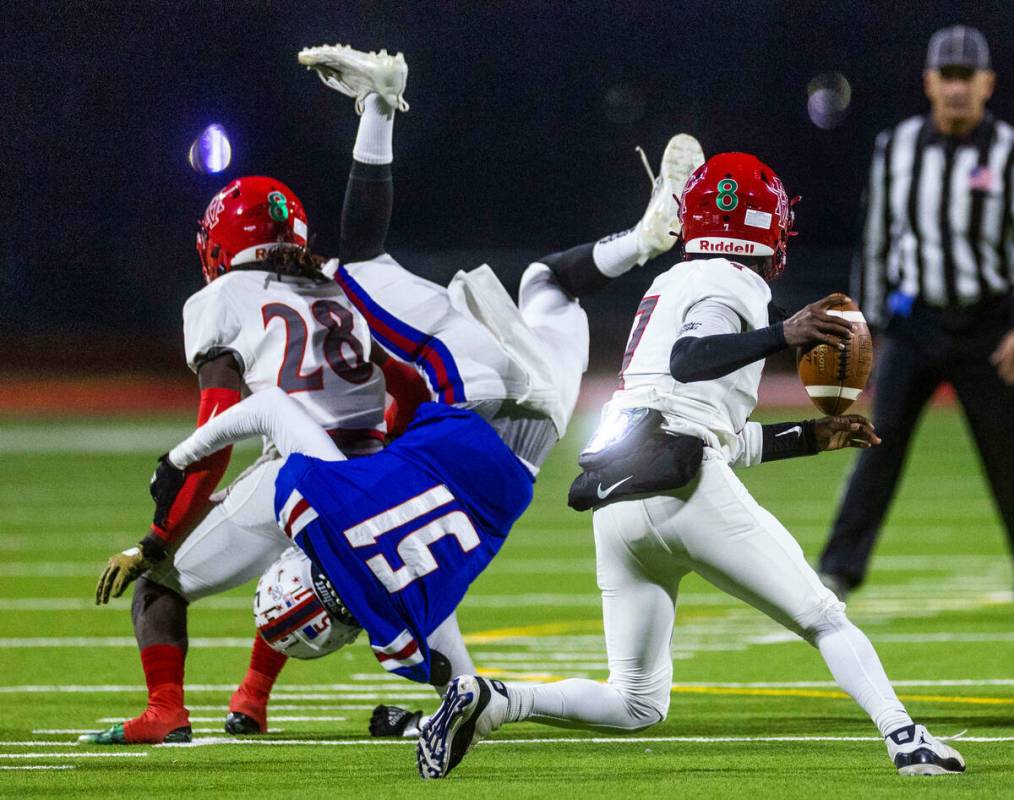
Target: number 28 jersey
column 402, row 534
column 302, row 336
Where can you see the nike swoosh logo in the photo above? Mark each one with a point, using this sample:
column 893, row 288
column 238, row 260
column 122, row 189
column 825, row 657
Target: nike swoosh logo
column 796, row 429
column 604, row 493
column 211, row 416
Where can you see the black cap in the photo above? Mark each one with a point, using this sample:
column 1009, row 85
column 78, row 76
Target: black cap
column 958, row 46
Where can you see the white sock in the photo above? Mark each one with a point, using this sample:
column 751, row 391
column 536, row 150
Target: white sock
column 616, row 254
column 857, row 670
column 376, row 132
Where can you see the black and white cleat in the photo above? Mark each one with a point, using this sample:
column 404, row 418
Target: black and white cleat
column 473, row 707
column 915, row 752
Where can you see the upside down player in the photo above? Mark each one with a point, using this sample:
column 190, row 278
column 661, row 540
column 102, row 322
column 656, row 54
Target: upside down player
column 693, row 365
column 473, row 346
column 527, row 399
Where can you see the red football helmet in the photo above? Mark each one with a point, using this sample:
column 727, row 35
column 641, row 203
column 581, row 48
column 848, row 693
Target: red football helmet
column 734, row 204
column 247, row 218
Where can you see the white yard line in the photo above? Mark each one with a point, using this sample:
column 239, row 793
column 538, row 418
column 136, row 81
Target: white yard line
column 72, row 755
column 37, row 642
column 775, row 636
column 98, row 438
column 316, row 691
column 284, row 707
column 614, row 740
column 88, row 604
column 274, row 718
column 928, row 638
column 38, row 744
column 37, row 767
column 34, row 569
column 92, row 730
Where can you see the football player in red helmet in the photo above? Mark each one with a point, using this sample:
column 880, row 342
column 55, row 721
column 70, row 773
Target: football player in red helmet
column 245, row 221
column 668, row 442
column 735, row 205
column 268, row 317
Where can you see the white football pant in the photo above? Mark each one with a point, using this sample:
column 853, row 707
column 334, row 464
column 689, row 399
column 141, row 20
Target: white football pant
column 715, row 528
column 235, row 543
column 561, row 323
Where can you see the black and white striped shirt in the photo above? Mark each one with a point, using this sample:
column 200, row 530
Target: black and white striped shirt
column 938, row 219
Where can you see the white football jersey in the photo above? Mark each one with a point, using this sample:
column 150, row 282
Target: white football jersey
column 714, row 410
column 416, row 320
column 303, row 337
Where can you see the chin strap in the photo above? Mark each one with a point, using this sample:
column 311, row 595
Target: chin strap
column 178, row 514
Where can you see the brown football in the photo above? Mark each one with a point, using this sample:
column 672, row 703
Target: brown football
column 835, row 378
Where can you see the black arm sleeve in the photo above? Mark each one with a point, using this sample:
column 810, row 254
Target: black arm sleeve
column 366, row 213
column 708, row 357
column 788, row 440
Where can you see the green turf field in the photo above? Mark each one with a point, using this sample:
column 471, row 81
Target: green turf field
column 754, row 713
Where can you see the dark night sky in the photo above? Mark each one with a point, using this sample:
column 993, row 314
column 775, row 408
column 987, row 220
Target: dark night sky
column 511, row 147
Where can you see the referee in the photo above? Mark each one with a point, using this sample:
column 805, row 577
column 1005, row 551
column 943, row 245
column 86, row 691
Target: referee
column 935, row 276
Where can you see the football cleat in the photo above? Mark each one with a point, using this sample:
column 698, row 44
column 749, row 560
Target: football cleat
column 915, row 752
column 659, row 227
column 394, row 721
column 115, row 735
column 472, row 708
column 239, row 724
column 359, row 74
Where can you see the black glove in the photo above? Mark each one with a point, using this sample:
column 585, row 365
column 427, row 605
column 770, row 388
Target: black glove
column 166, row 483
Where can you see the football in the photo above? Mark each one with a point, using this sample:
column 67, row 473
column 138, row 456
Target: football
column 835, row 378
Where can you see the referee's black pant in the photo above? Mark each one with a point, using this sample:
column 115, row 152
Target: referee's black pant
column 915, row 355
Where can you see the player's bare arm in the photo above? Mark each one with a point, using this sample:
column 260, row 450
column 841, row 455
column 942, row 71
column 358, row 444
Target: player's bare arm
column 124, row 568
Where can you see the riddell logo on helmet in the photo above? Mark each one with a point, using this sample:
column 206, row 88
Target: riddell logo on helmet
column 745, row 248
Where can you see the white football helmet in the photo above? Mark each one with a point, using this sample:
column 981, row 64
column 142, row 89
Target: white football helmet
column 298, row 612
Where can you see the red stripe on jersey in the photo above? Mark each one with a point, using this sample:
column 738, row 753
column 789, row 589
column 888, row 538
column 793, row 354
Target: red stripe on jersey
column 401, row 655
column 297, row 511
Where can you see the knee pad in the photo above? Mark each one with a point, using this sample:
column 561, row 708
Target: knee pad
column 645, row 707
column 826, row 615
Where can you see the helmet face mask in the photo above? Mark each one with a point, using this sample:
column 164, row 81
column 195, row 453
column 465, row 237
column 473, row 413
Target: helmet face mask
column 735, row 205
column 291, row 609
column 246, row 219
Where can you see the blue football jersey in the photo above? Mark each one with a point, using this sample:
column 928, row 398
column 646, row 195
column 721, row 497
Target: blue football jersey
column 403, row 533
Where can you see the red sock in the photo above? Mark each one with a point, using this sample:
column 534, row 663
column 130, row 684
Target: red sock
column 163, row 672
column 251, row 698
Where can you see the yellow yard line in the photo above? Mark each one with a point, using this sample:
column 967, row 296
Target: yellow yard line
column 836, row 695
column 828, row 694
column 561, row 628
column 545, row 629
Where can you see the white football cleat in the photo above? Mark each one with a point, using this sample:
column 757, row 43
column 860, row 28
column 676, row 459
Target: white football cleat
column 473, row 707
column 359, row 74
column 659, row 227
column 915, row 752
